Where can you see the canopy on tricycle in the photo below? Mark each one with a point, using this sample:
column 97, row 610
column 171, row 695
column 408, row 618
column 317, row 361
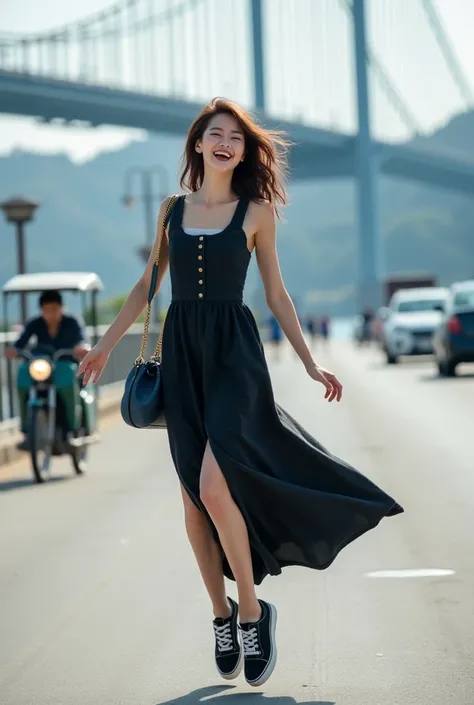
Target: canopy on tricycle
column 86, row 284
column 61, row 281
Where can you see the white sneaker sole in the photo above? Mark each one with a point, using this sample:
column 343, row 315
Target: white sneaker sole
column 270, row 667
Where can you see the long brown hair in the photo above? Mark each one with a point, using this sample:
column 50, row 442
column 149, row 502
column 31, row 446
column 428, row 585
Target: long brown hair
column 261, row 176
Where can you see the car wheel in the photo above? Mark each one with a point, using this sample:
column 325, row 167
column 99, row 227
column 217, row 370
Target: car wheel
column 450, row 368
column 447, row 369
column 391, row 359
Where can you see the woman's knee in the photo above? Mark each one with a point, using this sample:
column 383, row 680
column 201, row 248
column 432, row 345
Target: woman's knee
column 213, row 487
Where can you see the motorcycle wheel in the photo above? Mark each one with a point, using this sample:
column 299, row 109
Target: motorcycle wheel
column 79, row 455
column 40, row 444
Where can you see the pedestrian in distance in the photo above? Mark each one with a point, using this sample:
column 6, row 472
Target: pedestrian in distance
column 312, row 328
column 276, row 336
column 368, row 317
column 324, row 328
column 259, row 492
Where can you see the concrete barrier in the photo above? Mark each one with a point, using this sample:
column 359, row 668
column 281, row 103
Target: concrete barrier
column 10, row 435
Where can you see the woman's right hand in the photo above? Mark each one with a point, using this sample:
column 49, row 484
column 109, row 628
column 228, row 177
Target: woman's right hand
column 93, row 363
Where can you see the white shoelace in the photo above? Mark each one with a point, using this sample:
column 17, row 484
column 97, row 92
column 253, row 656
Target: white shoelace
column 224, row 637
column 250, row 641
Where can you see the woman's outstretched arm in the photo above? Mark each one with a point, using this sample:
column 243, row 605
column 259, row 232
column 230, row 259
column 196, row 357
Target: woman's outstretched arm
column 94, row 362
column 279, row 300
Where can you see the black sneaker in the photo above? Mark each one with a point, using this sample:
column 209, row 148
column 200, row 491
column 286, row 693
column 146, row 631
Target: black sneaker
column 229, row 652
column 260, row 649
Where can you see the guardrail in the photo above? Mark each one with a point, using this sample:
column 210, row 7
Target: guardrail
column 118, row 366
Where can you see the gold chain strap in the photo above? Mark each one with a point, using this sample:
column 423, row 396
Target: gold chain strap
column 146, row 328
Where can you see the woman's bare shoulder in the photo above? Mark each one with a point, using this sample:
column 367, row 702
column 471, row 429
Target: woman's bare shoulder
column 262, row 211
column 166, row 202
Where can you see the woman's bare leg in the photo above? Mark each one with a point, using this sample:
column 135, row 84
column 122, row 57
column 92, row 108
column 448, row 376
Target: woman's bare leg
column 233, row 533
column 207, row 554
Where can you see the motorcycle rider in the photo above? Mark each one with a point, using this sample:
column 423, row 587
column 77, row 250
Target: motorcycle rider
column 53, row 329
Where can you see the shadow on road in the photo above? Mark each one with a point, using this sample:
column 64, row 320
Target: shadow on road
column 212, row 693
column 439, row 378
column 408, row 362
column 26, row 483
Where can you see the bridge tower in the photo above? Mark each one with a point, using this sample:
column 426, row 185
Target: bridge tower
column 370, row 263
column 259, row 303
column 258, row 68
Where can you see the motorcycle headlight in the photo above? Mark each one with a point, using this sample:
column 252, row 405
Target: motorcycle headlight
column 40, row 370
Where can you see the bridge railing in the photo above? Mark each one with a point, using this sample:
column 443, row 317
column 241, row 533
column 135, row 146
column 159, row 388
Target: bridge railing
column 170, row 48
column 117, row 368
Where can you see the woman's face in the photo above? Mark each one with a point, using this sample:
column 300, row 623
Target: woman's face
column 222, row 145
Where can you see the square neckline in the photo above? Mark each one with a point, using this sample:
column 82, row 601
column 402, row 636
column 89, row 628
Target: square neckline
column 220, row 231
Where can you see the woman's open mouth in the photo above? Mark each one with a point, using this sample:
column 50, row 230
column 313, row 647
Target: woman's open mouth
column 222, row 155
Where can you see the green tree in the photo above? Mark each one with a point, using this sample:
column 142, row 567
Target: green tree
column 106, row 310
column 109, row 309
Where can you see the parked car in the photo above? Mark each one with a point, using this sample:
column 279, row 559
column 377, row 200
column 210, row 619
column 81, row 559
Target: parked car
column 414, row 316
column 453, row 340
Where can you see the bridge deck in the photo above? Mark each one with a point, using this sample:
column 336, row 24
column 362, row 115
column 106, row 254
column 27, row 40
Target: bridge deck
column 317, row 153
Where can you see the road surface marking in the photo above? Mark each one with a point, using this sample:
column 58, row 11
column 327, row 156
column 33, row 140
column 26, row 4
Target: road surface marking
column 420, row 573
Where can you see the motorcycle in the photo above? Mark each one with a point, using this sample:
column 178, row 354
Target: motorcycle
column 58, row 415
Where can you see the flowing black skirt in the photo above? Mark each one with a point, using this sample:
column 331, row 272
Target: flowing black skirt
column 301, row 504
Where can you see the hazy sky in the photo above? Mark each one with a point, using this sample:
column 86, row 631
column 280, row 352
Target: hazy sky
column 309, row 68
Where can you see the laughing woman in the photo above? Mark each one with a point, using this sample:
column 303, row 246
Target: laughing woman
column 259, row 492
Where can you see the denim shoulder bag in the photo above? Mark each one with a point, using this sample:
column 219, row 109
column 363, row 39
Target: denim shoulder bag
column 142, row 401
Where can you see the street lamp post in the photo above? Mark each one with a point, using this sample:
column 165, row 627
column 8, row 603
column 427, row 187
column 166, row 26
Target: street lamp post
column 148, row 197
column 20, row 211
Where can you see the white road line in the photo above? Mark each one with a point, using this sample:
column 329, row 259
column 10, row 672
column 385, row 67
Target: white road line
column 420, row 573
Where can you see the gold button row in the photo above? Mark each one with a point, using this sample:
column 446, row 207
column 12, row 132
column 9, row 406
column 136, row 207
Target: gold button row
column 200, row 269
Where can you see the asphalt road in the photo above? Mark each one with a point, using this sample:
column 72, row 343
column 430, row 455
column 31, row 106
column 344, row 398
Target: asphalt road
column 101, row 602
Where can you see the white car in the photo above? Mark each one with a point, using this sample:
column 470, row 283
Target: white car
column 414, row 316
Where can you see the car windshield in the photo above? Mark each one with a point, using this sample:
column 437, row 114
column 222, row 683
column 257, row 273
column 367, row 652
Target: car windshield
column 421, row 305
column 464, row 298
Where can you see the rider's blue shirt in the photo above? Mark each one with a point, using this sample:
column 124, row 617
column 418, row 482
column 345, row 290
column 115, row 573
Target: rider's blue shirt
column 70, row 333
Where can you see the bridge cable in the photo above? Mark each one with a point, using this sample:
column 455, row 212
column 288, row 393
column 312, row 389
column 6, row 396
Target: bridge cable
column 94, row 19
column 386, row 83
column 448, row 52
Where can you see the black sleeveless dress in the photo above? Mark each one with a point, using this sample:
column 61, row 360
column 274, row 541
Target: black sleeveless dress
column 301, row 504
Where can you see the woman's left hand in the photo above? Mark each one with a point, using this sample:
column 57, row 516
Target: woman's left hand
column 328, row 379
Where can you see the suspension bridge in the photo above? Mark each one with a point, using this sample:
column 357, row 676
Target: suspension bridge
column 151, row 64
